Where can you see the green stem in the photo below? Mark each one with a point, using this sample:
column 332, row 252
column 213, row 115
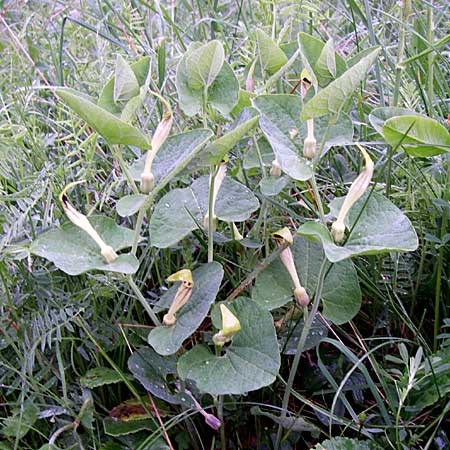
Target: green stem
column 143, row 301
column 123, row 165
column 430, row 60
column 212, row 177
column 318, row 199
column 308, row 321
column 406, row 8
column 223, row 443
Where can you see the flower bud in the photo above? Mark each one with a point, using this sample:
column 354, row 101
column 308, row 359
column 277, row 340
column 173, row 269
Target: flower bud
column 237, row 236
column 81, row 221
column 301, row 296
column 357, row 189
column 182, row 295
column 211, row 420
column 216, row 184
column 147, row 181
column 275, row 171
column 309, row 145
column 250, row 81
column 230, row 326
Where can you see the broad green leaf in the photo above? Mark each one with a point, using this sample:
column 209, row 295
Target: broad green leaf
column 354, row 59
column 168, row 340
column 73, row 251
column 341, row 294
column 424, row 136
column 174, row 155
column 152, row 371
column 292, row 331
column 251, row 361
column 378, row 116
column 20, row 422
column 381, row 228
column 342, row 443
column 280, row 122
column 223, row 94
column 203, row 64
column 218, row 149
column 332, row 98
column 114, row 427
column 106, row 99
column 272, row 58
column 325, row 66
column 99, row 377
column 271, row 186
column 126, row 84
column 130, row 204
column 190, row 99
column 173, row 217
column 244, row 101
column 251, row 158
column 113, row 129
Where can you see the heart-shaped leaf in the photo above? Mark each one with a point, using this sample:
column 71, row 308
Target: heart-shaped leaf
column 378, row 116
column 106, row 99
column 130, row 204
column 380, row 228
column 341, row 295
column 250, row 362
column 113, row 129
column 223, row 94
column 419, row 136
column 173, row 217
column 167, row 340
column 272, row 58
column 271, row 186
column 152, row 371
column 126, row 84
column 73, row 251
column 175, row 154
column 331, row 99
column 325, row 66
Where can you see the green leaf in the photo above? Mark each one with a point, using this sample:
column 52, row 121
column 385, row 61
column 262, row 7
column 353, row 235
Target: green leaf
column 172, row 218
column 271, row 186
column 378, row 116
column 223, row 94
column 341, row 294
column 168, row 340
column 152, row 371
column 130, row 204
column 203, row 64
column 381, row 228
column 424, row 136
column 291, row 334
column 332, row 98
column 251, row 362
column 216, row 150
column 106, row 99
column 175, row 154
column 341, row 443
column 115, row 427
column 325, row 66
column 100, row 376
column 272, row 58
column 21, row 421
column 126, row 84
column 73, row 251
column 280, row 123
column 251, row 158
column 113, row 129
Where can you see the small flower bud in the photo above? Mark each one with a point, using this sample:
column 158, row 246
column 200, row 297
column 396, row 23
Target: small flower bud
column 275, row 171
column 237, row 236
column 250, row 81
column 357, row 189
column 147, row 181
column 212, row 421
column 293, row 132
column 182, row 295
column 109, row 254
column 216, row 184
column 309, row 145
column 301, row 296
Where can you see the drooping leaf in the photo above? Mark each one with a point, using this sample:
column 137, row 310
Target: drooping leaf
column 342, row 443
column 250, row 362
column 378, row 116
column 381, row 228
column 331, row 99
column 113, row 129
column 167, row 340
column 126, row 84
column 271, row 56
column 203, row 64
column 175, row 154
column 152, row 371
column 173, row 217
column 99, row 376
column 341, row 294
column 130, row 204
column 424, row 136
column 217, row 150
column 73, row 251
column 106, row 99
column 280, row 123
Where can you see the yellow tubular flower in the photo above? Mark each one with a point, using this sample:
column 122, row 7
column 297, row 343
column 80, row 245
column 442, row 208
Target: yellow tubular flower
column 357, row 189
column 182, row 295
column 81, row 221
column 230, row 326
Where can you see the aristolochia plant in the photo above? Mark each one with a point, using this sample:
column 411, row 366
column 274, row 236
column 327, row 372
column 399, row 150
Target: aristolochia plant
column 241, row 353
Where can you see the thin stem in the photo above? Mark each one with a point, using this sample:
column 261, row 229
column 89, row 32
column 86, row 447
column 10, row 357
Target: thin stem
column 143, row 301
column 212, row 177
column 223, row 443
column 123, row 165
column 430, row 61
column 308, row 321
column 137, row 230
column 318, row 199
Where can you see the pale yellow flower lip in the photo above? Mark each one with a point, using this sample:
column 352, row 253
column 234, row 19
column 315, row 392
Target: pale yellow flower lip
column 182, row 295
